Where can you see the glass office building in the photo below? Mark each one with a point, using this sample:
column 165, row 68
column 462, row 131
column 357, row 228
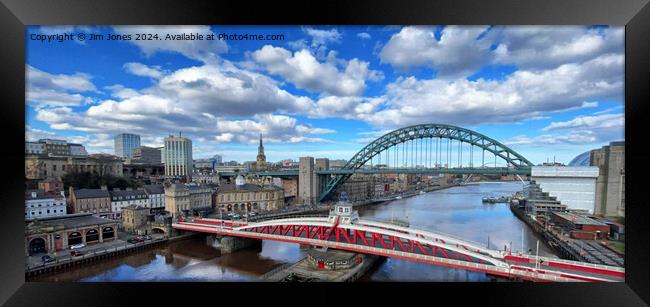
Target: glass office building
column 125, row 143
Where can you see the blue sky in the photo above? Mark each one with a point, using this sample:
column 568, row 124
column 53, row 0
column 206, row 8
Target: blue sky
column 548, row 92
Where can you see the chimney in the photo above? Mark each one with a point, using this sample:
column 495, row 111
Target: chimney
column 63, row 193
column 33, row 194
column 128, row 189
column 116, row 189
column 104, row 187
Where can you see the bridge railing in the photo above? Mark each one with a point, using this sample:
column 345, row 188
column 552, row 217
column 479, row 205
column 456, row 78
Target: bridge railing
column 433, row 231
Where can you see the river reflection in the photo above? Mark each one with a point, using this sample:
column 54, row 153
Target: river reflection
column 457, row 211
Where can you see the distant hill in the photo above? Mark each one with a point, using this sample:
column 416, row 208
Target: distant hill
column 581, row 159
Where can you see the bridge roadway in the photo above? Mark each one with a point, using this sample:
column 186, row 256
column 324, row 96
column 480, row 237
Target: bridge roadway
column 439, row 170
column 389, row 240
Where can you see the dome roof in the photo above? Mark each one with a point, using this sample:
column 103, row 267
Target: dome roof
column 240, row 181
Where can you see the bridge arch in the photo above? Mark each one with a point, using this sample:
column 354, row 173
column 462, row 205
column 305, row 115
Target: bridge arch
column 423, row 131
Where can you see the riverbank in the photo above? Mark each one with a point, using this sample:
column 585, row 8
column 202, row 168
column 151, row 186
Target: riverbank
column 567, row 248
column 71, row 262
column 403, row 196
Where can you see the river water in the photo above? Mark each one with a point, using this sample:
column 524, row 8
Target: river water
column 457, row 211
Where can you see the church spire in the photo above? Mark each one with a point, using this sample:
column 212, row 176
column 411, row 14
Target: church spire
column 261, row 158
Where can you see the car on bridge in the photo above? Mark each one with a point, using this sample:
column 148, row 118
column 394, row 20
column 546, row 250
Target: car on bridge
column 76, row 253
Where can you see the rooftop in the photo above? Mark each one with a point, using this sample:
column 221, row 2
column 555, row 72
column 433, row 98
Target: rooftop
column 246, row 187
column 72, row 221
column 91, row 193
column 154, row 189
column 578, row 219
column 40, row 194
column 129, row 193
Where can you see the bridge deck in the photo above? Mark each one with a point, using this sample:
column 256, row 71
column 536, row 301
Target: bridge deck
column 400, row 242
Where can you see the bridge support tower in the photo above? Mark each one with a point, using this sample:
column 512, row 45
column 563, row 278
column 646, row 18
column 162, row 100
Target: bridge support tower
column 228, row 244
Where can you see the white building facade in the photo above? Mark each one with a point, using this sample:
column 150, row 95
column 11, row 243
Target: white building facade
column 41, row 205
column 156, row 195
column 121, row 199
column 178, row 156
column 574, row 187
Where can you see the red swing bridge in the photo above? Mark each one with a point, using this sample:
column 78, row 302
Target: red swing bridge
column 344, row 230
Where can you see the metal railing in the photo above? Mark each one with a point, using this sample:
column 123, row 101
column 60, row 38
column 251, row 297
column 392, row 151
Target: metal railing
column 91, row 254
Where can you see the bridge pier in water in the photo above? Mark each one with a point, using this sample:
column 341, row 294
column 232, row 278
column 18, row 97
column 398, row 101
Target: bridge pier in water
column 228, row 244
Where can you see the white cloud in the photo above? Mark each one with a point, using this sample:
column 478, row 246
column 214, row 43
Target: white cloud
column 598, row 121
column 142, row 70
column 318, row 42
column 522, row 95
column 201, row 50
column 458, row 53
column 323, row 37
column 305, row 71
column 540, row 47
column 579, row 130
column 197, row 101
column 44, row 89
column 119, row 91
column 461, row 51
column 364, row 35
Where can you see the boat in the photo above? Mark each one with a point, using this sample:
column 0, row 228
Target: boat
column 398, row 197
column 494, row 200
column 422, row 192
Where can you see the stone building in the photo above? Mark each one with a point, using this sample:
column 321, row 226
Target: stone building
column 135, row 219
column 146, row 155
column 44, row 167
column 307, row 182
column 56, row 234
column 290, row 187
column 610, row 184
column 49, row 147
column 50, row 186
column 358, row 187
column 246, row 197
column 121, row 199
column 181, row 199
column 93, row 201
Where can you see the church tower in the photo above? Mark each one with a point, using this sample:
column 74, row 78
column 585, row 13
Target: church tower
column 260, row 165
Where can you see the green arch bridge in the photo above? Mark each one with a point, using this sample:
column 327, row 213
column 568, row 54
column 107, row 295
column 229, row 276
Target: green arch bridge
column 420, row 149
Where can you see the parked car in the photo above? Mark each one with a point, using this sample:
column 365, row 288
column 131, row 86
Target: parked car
column 147, row 237
column 252, row 214
column 47, row 259
column 76, row 253
column 77, row 246
column 132, row 241
column 236, row 216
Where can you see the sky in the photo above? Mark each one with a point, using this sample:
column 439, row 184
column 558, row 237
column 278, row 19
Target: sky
column 548, row 92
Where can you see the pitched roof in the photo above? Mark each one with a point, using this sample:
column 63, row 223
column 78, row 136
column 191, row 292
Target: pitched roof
column 91, row 193
column 129, row 193
column 154, row 189
column 246, row 187
column 40, row 194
